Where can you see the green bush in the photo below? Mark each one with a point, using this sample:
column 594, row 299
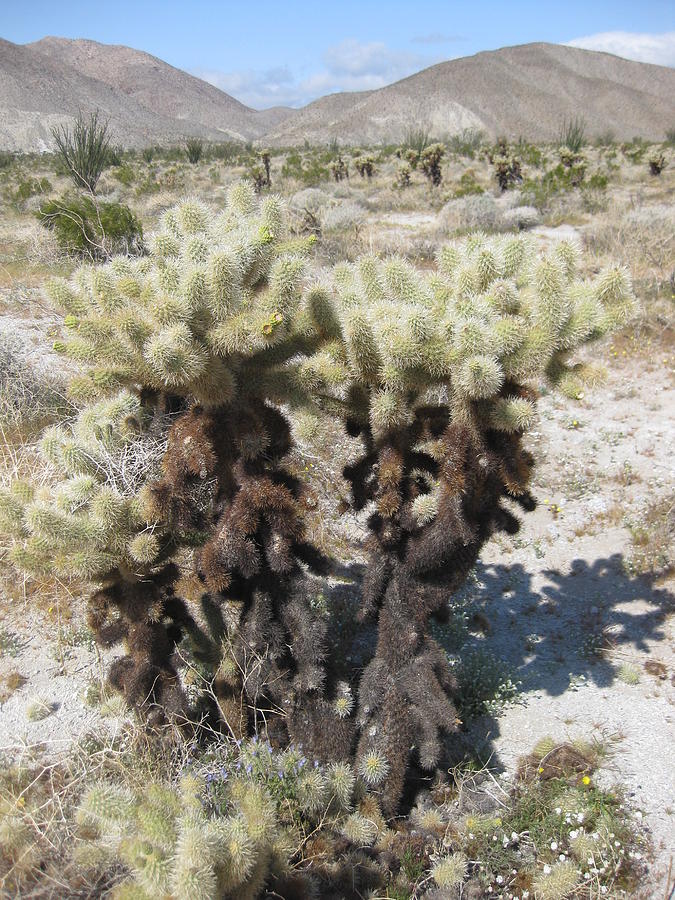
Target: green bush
column 310, row 170
column 95, row 230
column 467, row 185
column 124, row 174
column 6, row 159
column 31, row 187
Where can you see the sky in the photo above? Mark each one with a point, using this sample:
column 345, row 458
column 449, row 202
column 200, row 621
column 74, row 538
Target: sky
column 287, row 53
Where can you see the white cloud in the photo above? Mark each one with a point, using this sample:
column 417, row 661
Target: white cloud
column 347, row 66
column 649, row 48
column 437, row 38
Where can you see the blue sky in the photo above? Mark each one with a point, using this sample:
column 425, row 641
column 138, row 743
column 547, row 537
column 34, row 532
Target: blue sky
column 288, row 52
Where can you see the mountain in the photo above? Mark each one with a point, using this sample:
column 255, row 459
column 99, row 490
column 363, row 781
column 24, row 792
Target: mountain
column 525, row 90
column 145, row 99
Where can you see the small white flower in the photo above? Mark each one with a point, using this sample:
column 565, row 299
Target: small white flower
column 554, row 845
column 587, row 875
column 547, row 870
column 580, row 817
column 514, row 836
column 562, row 857
column 499, row 879
column 470, row 836
column 617, row 844
column 638, row 815
column 603, row 889
column 558, row 810
column 574, row 833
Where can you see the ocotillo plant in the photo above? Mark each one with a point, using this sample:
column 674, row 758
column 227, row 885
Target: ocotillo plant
column 196, row 334
column 435, row 374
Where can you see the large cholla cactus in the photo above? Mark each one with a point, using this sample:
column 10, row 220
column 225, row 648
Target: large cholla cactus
column 433, row 373
column 196, row 336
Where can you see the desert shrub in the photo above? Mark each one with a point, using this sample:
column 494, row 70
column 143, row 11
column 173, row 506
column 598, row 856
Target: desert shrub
column 124, row 174
column 84, row 150
column 471, row 213
column 430, row 163
column 310, row 170
column 194, row 150
column 467, row 185
column 466, row 143
column 563, row 178
column 485, row 684
column 573, row 133
column 31, row 187
column 530, row 154
column 93, row 229
column 6, row 159
column 521, row 217
column 30, row 395
column 344, row 216
column 670, row 137
column 306, row 208
column 148, row 154
column 635, row 150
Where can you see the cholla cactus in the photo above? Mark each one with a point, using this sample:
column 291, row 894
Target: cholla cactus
column 436, row 472
column 365, row 166
column 339, row 169
column 430, row 163
column 657, row 163
column 574, row 163
column 196, row 337
column 173, row 848
column 412, row 157
column 507, row 170
column 266, row 159
column 403, row 177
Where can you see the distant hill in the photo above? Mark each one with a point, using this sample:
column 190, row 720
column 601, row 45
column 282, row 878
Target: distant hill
column 526, row 90
column 146, row 100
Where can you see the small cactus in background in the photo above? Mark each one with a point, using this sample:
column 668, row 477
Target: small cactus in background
column 574, row 164
column 430, row 163
column 657, row 163
column 507, row 171
column 266, row 157
column 339, row 169
column 365, row 166
column 403, row 177
column 412, row 157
